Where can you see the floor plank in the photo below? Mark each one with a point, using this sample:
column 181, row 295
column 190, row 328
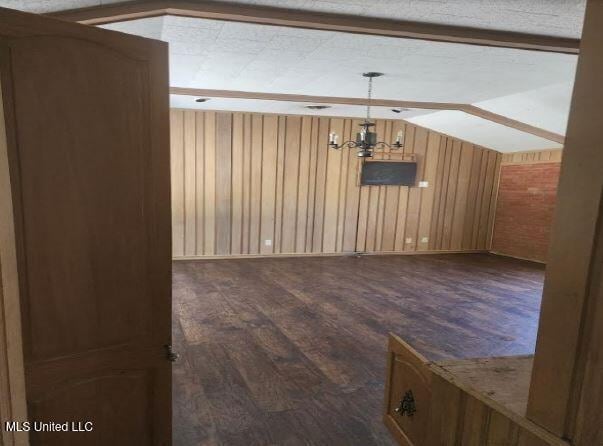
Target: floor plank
column 291, row 351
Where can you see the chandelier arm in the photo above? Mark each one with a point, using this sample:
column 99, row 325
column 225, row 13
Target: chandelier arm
column 347, row 144
column 383, row 144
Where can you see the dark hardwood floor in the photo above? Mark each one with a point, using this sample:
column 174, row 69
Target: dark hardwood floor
column 291, row 351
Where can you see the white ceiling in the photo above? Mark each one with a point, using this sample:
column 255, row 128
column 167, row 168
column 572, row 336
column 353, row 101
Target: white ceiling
column 482, row 132
column 530, row 86
column 240, row 56
column 548, row 17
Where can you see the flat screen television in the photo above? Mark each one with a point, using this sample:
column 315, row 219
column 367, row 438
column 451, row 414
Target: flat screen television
column 388, row 173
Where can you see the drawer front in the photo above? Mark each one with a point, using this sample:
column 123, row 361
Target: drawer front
column 407, row 393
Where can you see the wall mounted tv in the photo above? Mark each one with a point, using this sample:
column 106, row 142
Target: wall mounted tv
column 388, row 173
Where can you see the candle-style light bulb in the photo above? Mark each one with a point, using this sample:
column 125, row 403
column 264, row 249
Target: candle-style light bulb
column 332, row 138
column 399, row 136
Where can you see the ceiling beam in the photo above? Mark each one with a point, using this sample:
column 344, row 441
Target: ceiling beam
column 312, row 99
column 513, row 123
column 466, row 108
column 266, row 15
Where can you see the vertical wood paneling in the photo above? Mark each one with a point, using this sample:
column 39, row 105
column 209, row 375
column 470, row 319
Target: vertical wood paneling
column 177, row 172
column 476, row 159
column 444, row 180
column 332, row 192
column 190, row 187
column 414, row 194
column 352, row 197
column 268, row 200
column 453, row 174
column 236, row 180
column 257, row 174
column 428, row 194
column 483, row 226
column 321, row 177
column 209, row 246
column 200, row 182
column 223, row 164
column 303, row 186
column 462, row 189
column 291, row 183
column 313, row 147
column 280, row 184
column 247, row 176
column 242, row 179
column 461, row 416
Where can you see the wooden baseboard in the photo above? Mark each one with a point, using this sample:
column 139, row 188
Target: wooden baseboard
column 327, row 254
column 502, row 254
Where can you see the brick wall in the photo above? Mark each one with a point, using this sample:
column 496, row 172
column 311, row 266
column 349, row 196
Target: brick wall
column 524, row 211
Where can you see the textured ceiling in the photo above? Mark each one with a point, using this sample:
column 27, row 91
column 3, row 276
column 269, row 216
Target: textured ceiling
column 529, row 86
column 548, row 17
column 239, row 56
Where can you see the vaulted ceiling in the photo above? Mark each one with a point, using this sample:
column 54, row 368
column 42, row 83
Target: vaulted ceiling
column 533, row 87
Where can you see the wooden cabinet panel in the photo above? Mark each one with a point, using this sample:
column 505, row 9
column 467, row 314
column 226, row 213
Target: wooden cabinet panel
column 407, row 394
column 460, row 402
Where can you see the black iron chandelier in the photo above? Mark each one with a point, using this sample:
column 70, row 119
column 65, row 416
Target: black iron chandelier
column 366, row 140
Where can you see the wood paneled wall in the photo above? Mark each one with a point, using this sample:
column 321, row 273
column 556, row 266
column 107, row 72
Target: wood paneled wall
column 239, row 179
column 532, row 157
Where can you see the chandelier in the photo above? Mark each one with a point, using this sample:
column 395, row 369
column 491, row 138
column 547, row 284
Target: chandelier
column 366, row 140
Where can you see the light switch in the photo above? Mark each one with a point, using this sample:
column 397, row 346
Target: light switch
column 423, row 183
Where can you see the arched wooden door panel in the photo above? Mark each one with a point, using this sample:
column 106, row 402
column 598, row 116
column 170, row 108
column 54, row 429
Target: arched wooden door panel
column 88, row 145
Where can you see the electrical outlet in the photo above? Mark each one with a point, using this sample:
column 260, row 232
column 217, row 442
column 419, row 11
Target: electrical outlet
column 423, row 183
column 408, row 240
column 267, row 242
column 424, row 239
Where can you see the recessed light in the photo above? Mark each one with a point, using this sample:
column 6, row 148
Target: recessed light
column 317, row 107
column 201, row 100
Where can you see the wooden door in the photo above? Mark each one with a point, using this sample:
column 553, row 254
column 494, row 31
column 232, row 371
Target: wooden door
column 86, row 114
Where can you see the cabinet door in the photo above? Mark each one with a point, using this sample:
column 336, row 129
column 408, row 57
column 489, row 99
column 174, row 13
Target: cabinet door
column 86, row 114
column 407, row 393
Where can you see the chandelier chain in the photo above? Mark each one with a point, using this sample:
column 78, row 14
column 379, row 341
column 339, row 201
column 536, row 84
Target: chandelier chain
column 370, row 96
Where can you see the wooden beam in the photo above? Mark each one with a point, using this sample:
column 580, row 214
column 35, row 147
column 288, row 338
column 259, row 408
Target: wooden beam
column 513, row 123
column 466, row 108
column 266, row 15
column 235, row 94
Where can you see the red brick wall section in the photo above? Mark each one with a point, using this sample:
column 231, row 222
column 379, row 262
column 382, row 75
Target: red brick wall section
column 524, row 210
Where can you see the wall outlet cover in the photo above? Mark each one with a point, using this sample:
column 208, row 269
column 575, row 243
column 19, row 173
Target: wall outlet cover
column 267, row 242
column 423, row 183
column 424, row 239
column 408, row 240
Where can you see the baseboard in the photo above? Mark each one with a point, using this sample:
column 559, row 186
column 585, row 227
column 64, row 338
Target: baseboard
column 517, row 257
column 328, row 254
